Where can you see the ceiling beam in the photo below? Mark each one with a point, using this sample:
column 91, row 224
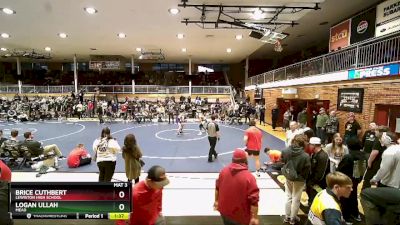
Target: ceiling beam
column 184, row 5
column 187, row 21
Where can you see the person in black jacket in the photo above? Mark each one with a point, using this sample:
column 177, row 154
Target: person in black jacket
column 369, row 139
column 319, row 169
column 375, row 157
column 275, row 116
column 296, row 171
column 262, row 114
column 350, row 165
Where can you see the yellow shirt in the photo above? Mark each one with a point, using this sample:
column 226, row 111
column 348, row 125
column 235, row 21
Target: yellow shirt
column 322, row 201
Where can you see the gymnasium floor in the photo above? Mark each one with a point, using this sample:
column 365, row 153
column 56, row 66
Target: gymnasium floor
column 159, row 143
column 190, row 196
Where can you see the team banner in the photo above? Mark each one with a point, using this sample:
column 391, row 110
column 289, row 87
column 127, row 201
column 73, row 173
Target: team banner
column 339, row 36
column 387, row 17
column 376, row 71
column 363, row 26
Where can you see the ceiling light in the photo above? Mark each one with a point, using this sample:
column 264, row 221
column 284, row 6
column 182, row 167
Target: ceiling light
column 62, row 35
column 5, row 35
column 7, row 55
column 47, row 49
column 258, row 14
column 138, row 49
column 239, row 37
column 173, row 11
column 3, row 49
column 180, row 36
column 183, row 49
column 90, row 10
column 228, row 50
column 8, row 11
column 122, row 35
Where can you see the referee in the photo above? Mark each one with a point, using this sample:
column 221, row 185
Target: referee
column 213, row 135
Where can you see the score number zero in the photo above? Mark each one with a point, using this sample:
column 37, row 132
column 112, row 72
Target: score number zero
column 121, row 194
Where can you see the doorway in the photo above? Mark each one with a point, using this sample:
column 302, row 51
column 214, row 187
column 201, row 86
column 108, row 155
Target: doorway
column 387, row 115
column 298, row 105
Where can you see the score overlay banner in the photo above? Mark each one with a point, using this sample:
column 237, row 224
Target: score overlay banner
column 70, row 200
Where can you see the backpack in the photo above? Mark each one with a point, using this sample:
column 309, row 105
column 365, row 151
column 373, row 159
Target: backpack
column 289, row 171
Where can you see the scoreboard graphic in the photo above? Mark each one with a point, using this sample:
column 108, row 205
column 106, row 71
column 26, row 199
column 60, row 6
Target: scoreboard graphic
column 70, row 200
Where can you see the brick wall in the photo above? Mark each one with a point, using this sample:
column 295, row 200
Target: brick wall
column 376, row 91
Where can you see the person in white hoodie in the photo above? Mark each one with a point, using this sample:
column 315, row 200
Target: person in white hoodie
column 388, row 174
column 105, row 154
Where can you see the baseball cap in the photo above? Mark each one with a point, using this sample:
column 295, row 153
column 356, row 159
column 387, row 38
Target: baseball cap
column 239, row 154
column 157, row 175
column 315, row 141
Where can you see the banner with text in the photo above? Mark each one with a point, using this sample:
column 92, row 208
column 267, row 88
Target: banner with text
column 339, row 36
column 105, row 65
column 387, row 17
column 363, row 26
column 376, row 71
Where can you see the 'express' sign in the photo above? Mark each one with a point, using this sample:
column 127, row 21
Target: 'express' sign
column 377, row 71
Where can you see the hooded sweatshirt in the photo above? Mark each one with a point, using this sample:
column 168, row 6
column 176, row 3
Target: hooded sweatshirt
column 301, row 161
column 238, row 191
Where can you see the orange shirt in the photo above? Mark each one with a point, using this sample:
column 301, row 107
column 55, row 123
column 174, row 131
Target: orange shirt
column 274, row 155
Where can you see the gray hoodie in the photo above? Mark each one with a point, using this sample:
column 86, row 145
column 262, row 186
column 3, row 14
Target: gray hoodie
column 300, row 159
column 389, row 172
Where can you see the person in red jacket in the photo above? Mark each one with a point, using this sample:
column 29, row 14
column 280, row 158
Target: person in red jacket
column 5, row 179
column 147, row 199
column 79, row 157
column 5, row 172
column 237, row 193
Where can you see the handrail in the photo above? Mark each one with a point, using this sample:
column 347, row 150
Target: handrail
column 374, row 51
column 126, row 89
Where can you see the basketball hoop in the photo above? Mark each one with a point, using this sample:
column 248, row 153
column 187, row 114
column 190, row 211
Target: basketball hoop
column 278, row 46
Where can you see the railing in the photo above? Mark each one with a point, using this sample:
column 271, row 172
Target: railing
column 377, row 51
column 138, row 89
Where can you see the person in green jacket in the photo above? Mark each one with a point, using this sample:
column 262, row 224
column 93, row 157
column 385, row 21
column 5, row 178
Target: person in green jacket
column 302, row 118
column 320, row 125
column 132, row 156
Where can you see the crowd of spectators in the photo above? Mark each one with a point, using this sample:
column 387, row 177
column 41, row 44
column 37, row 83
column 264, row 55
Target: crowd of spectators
column 57, row 77
column 328, row 169
column 372, row 158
